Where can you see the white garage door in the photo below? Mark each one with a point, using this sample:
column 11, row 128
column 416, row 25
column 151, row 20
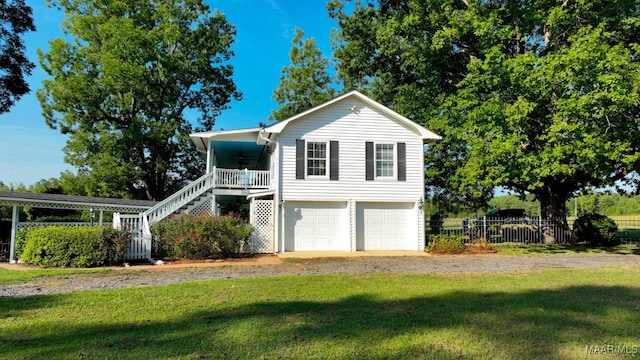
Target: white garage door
column 316, row 226
column 386, row 226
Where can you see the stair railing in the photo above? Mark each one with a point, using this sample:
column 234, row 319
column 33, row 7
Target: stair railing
column 180, row 198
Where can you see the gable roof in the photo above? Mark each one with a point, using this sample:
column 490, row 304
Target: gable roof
column 258, row 134
column 426, row 135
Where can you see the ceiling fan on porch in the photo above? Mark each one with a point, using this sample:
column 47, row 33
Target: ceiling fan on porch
column 241, row 163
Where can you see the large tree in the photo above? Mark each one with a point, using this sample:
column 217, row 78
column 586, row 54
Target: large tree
column 306, row 82
column 538, row 97
column 124, row 83
column 15, row 21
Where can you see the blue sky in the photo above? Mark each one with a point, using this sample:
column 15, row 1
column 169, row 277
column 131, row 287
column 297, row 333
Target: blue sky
column 30, row 151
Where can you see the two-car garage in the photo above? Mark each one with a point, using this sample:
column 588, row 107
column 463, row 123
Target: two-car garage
column 326, row 226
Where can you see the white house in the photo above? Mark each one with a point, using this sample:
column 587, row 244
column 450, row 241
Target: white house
column 346, row 175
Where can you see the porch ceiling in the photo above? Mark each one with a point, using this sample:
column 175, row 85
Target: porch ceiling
column 238, row 154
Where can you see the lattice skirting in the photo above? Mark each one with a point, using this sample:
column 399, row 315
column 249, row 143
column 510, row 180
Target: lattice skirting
column 262, row 221
column 202, row 208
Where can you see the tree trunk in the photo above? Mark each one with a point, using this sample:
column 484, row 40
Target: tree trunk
column 553, row 210
column 553, row 206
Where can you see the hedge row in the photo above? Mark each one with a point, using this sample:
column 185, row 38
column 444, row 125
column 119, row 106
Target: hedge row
column 72, row 246
column 202, row 236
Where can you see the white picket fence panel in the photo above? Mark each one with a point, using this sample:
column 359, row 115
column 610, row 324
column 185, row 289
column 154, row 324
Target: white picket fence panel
column 139, row 243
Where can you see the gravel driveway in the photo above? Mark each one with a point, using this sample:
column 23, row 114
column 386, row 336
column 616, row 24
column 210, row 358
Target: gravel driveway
column 273, row 266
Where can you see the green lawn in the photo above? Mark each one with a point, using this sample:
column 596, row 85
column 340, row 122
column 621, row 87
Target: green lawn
column 547, row 314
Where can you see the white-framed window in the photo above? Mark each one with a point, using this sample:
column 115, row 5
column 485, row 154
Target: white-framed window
column 385, row 160
column 317, row 156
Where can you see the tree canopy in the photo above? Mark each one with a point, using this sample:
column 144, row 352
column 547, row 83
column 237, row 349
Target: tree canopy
column 306, row 82
column 126, row 83
column 538, row 97
column 15, row 21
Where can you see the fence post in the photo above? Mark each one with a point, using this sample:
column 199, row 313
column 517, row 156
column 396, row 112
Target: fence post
column 540, row 231
column 484, row 227
column 146, row 235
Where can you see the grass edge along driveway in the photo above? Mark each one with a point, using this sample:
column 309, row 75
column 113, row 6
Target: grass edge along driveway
column 542, row 314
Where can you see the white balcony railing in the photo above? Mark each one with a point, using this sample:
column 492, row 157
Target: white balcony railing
column 241, row 179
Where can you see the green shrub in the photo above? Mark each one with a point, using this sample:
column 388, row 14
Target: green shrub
column 116, row 243
column 446, row 244
column 202, row 236
column 596, row 230
column 21, row 240
column 74, row 246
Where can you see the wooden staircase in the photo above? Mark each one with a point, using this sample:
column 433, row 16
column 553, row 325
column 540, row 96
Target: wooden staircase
column 193, row 204
column 199, row 190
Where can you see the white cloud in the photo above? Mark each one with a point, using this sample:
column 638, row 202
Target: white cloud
column 283, row 20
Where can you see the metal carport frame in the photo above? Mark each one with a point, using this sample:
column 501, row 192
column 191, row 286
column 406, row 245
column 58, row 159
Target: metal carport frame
column 67, row 202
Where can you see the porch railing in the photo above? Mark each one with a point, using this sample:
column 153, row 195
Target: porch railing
column 242, row 179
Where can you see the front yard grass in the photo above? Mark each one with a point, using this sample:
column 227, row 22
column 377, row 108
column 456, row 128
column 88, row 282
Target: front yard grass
column 527, row 315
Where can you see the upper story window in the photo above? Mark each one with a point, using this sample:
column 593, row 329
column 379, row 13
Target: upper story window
column 385, row 160
column 316, row 158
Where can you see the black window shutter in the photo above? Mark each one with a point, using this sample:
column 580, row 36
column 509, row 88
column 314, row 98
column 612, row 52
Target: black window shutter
column 369, row 160
column 300, row 150
column 402, row 162
column 333, row 160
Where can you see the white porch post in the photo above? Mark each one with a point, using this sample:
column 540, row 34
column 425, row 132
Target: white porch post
column 100, row 217
column 252, row 222
column 208, row 168
column 214, row 205
column 14, row 229
column 146, row 235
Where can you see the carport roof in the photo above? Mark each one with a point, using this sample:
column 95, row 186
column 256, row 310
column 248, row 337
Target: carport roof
column 57, row 201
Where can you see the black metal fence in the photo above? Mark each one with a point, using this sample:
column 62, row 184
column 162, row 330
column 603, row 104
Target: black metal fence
column 4, row 250
column 524, row 230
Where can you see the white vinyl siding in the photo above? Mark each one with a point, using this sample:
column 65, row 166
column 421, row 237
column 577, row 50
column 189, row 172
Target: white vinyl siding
column 352, row 129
